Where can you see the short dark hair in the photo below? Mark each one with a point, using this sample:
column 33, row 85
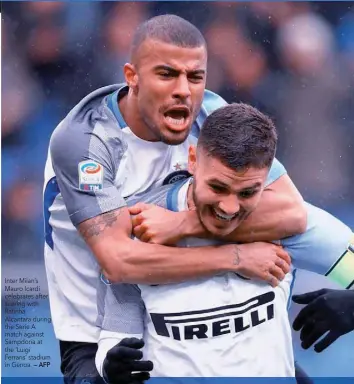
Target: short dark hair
column 169, row 29
column 240, row 136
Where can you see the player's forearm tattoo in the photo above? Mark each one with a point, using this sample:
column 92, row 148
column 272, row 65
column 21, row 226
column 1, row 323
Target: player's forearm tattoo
column 237, row 255
column 97, row 225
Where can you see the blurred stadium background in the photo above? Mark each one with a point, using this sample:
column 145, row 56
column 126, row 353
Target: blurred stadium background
column 294, row 61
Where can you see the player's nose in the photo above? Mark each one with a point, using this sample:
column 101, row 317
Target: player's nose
column 229, row 205
column 182, row 88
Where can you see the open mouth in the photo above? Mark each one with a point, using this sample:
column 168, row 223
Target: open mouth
column 223, row 217
column 177, row 117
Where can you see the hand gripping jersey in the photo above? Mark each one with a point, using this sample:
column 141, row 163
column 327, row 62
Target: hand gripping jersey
column 94, row 163
column 224, row 325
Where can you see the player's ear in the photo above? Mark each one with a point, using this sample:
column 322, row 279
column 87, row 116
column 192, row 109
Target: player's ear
column 192, row 159
column 131, row 76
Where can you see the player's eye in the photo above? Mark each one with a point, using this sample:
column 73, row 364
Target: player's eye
column 196, row 78
column 247, row 194
column 217, row 188
column 165, row 75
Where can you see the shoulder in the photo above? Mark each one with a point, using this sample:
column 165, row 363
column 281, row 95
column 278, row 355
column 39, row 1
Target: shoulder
column 212, row 101
column 83, row 118
column 89, row 126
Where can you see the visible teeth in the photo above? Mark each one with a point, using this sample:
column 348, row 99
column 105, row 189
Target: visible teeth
column 179, row 121
column 222, row 216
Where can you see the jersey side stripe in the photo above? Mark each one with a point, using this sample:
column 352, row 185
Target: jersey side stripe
column 50, row 193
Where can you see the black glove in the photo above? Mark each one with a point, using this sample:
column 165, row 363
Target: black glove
column 123, row 359
column 328, row 310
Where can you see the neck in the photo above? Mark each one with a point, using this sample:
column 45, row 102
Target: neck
column 129, row 109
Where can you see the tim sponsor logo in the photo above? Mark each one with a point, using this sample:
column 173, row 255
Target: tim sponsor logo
column 203, row 324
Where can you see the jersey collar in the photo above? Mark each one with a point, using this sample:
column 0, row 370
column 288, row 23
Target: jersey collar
column 112, row 103
column 172, row 195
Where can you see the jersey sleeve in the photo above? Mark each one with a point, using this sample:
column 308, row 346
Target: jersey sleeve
column 85, row 164
column 276, row 171
column 121, row 312
column 325, row 247
column 120, row 308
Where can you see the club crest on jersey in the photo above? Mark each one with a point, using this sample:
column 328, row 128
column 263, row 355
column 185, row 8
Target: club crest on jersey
column 213, row 322
column 180, row 173
column 90, row 175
